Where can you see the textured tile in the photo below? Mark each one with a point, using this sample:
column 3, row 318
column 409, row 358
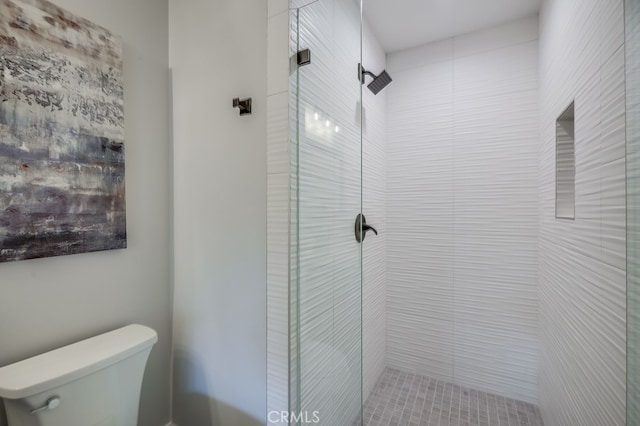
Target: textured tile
column 374, row 297
column 632, row 48
column 329, row 269
column 295, row 4
column 582, row 262
column 612, row 20
column 419, row 220
column 277, row 291
column 462, row 212
column 278, row 53
column 495, row 269
column 278, row 206
column 613, row 204
column 588, row 119
column 277, row 133
column 612, row 97
column 328, row 254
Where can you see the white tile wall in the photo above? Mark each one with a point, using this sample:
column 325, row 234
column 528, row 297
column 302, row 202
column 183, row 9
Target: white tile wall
column 420, row 218
column 582, row 262
column 329, row 200
column 495, row 214
column 374, row 207
column 278, row 206
column 278, row 53
column 331, row 165
column 462, row 210
column 461, row 197
column 632, row 49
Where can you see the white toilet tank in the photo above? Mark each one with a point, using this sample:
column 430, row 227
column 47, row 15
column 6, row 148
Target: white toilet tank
column 95, row 382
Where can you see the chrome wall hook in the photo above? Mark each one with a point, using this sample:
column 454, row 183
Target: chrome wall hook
column 243, row 104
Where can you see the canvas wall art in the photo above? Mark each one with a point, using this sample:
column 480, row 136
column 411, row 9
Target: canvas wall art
column 62, row 174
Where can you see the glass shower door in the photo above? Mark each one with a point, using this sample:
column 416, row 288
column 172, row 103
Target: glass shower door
column 632, row 49
column 326, row 271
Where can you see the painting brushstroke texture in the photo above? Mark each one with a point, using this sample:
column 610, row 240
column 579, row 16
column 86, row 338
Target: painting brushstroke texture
column 62, row 175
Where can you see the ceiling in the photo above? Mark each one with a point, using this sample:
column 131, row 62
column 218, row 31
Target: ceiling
column 401, row 24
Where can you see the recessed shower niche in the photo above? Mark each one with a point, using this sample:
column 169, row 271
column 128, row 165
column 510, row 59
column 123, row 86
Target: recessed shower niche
column 566, row 164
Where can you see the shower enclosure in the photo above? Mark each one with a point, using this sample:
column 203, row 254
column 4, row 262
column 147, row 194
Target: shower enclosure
column 485, row 320
column 326, row 268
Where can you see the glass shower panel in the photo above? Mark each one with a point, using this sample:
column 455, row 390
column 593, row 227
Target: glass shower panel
column 327, row 285
column 632, row 46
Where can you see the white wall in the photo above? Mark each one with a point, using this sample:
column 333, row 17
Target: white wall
column 632, row 54
column 374, row 201
column 217, row 53
column 582, row 262
column 48, row 303
column 462, row 210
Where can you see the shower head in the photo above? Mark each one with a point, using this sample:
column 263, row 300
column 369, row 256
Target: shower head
column 379, row 81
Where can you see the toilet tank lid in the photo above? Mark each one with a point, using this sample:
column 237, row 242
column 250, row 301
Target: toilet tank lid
column 58, row 367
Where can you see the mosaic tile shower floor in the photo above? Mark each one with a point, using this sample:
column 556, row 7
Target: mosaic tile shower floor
column 405, row 399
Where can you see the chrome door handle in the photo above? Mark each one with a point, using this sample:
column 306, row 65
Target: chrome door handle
column 361, row 228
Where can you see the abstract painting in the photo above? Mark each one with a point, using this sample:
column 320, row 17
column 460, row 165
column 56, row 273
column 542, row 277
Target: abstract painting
column 62, row 180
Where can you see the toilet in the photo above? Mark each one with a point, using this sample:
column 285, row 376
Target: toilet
column 94, row 382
